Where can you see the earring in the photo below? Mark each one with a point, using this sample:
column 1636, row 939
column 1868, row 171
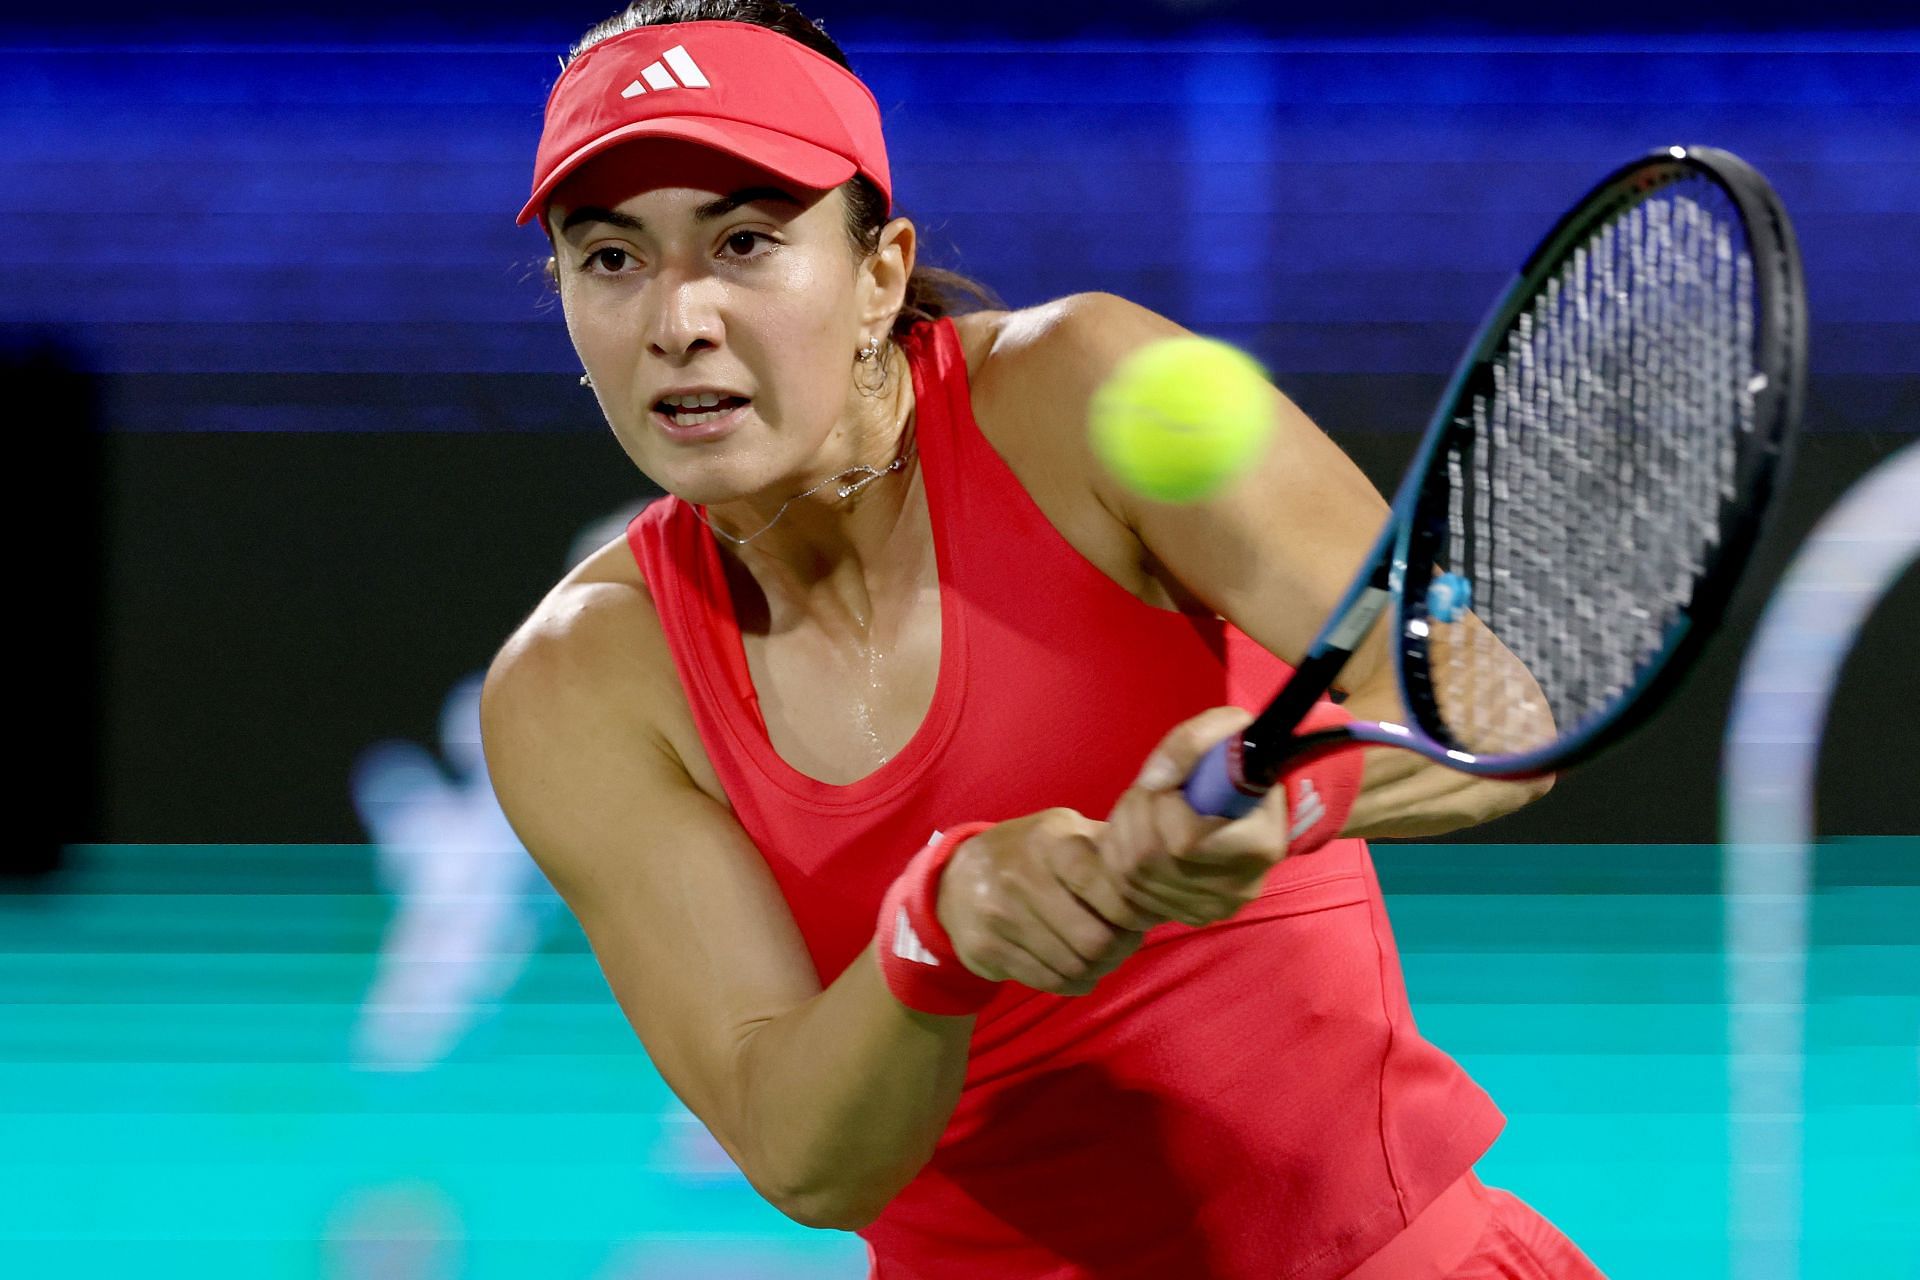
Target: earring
column 586, row 379
column 874, row 381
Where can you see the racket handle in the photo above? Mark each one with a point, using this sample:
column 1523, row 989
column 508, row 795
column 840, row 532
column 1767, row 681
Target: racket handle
column 1210, row 789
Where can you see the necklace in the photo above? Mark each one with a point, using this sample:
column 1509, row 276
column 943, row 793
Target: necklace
column 867, row 476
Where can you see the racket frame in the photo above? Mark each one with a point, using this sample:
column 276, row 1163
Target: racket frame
column 1397, row 569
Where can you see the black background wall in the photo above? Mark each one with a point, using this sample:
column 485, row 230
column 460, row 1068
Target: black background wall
column 277, row 601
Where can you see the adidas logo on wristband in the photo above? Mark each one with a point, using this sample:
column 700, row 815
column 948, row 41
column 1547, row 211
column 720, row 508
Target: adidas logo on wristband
column 907, row 944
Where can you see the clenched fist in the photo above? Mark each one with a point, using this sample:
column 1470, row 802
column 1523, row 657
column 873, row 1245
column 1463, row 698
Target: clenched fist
column 1170, row 863
column 1029, row 900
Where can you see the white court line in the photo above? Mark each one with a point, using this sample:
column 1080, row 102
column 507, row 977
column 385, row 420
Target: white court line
column 1772, row 755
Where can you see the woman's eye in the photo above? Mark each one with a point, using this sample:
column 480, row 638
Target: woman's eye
column 599, row 254
column 742, row 243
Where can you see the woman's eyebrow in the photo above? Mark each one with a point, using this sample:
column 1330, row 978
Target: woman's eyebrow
column 587, row 213
column 750, row 195
column 707, row 212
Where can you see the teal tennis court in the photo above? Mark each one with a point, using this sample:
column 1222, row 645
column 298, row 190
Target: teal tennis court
column 180, row 1099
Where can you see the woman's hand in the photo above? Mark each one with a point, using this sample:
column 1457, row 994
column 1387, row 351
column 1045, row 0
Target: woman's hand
column 1028, row 900
column 1170, row 863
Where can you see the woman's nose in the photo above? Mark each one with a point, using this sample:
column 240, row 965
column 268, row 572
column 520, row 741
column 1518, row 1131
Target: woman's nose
column 683, row 315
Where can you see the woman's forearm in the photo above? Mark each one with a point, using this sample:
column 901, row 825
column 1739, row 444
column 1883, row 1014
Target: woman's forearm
column 846, row 1096
column 1403, row 794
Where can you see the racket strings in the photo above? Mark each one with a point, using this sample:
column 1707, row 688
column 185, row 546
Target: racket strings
column 1587, row 488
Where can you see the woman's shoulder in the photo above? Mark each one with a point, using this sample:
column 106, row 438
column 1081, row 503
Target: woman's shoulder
column 1032, row 372
column 596, row 625
column 595, row 643
column 1030, row 375
column 1072, row 342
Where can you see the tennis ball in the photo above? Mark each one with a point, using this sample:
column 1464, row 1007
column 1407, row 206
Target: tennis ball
column 1180, row 417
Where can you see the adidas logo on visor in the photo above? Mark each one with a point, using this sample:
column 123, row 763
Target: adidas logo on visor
column 660, row 75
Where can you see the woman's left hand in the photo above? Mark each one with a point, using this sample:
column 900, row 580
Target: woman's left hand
column 1174, row 864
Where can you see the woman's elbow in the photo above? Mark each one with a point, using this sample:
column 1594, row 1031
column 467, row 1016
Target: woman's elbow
column 829, row 1210
column 835, row 1201
column 1479, row 800
column 821, row 1215
column 1518, row 794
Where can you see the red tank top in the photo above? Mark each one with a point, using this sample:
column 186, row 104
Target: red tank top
column 1246, row 1100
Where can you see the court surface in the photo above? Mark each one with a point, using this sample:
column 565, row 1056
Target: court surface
column 177, row 1099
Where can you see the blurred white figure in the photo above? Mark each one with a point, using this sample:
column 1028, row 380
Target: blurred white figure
column 470, row 909
column 471, row 904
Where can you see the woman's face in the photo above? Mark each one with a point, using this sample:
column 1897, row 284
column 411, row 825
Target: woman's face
column 720, row 280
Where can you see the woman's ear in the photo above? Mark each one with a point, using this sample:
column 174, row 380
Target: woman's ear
column 884, row 274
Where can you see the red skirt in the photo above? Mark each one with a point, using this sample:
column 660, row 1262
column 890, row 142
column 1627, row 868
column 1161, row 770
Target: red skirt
column 1476, row 1232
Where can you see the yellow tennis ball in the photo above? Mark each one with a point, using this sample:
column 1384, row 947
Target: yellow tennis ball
column 1181, row 417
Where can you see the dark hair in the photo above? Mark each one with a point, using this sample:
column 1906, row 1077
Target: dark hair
column 932, row 292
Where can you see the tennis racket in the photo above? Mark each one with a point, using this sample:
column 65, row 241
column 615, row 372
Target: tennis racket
column 1586, row 495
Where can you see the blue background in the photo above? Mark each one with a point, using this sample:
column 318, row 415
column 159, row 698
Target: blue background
column 1342, row 205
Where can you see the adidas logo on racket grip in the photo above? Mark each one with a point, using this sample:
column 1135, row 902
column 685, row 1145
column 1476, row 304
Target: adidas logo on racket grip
column 678, row 62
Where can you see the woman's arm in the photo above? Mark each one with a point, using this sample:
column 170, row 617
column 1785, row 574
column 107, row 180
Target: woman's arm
column 1272, row 553
column 828, row 1100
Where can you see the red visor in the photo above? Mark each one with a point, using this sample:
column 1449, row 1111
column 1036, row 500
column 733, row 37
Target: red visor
column 738, row 88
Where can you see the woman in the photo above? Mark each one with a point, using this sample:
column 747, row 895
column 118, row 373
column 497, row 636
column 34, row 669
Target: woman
column 837, row 756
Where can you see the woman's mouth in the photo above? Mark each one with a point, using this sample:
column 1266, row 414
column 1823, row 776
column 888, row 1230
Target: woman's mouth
column 698, row 417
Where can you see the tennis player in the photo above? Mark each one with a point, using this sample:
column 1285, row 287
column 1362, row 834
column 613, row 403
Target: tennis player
column 858, row 756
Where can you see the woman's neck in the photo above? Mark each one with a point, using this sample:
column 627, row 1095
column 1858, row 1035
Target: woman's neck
column 827, row 556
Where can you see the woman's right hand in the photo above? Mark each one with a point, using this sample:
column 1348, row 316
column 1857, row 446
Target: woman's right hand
column 1029, row 900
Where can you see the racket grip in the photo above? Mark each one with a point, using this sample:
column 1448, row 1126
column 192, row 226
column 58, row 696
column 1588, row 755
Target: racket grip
column 1210, row 788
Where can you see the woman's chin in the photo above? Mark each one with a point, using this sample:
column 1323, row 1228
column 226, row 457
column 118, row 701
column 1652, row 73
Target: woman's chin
column 706, row 479
column 710, row 482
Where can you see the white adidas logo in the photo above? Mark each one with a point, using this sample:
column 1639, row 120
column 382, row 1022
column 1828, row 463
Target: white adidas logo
column 907, row 944
column 1308, row 809
column 659, row 77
